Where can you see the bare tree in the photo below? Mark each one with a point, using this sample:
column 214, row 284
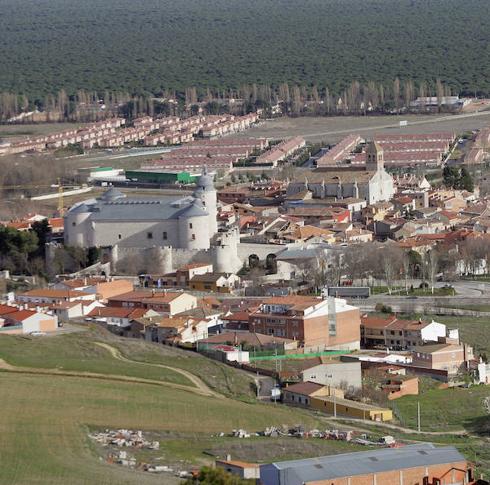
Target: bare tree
column 432, row 261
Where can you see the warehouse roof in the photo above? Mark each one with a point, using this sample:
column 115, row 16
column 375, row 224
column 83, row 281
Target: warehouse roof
column 365, row 463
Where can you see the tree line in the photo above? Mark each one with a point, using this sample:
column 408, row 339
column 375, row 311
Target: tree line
column 143, row 48
column 295, row 100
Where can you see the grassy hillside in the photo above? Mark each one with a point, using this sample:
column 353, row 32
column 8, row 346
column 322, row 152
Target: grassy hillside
column 44, row 424
column 150, row 45
column 46, row 417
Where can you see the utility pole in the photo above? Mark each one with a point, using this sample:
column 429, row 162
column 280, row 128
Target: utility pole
column 334, row 405
column 418, row 416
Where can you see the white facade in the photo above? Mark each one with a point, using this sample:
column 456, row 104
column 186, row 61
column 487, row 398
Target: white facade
column 432, row 332
column 114, row 219
column 337, row 374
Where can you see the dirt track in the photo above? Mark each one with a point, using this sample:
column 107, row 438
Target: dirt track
column 201, row 389
column 194, row 379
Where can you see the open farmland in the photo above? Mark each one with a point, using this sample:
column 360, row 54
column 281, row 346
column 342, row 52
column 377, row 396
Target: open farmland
column 10, row 132
column 333, row 129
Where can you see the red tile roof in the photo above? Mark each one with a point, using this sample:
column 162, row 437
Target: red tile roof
column 304, row 388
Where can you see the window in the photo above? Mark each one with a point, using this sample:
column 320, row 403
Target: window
column 190, row 225
column 193, row 237
column 149, row 235
column 119, row 236
column 165, row 235
column 73, row 224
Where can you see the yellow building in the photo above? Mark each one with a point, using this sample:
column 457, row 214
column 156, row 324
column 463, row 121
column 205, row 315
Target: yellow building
column 351, row 409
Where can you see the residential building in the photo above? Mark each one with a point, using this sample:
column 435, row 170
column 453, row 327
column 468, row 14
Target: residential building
column 412, row 464
column 185, row 273
column 174, row 329
column 215, row 282
column 317, row 324
column 450, row 357
column 343, row 375
column 70, row 310
column 400, row 386
column 166, row 303
column 249, row 340
column 15, row 320
column 120, row 316
column 50, row 295
column 301, row 394
column 393, row 333
column 102, row 287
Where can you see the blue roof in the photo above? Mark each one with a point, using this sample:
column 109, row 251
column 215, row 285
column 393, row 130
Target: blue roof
column 297, row 472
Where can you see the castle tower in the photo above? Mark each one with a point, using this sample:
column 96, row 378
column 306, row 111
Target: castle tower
column 374, row 157
column 206, row 192
column 356, row 190
column 339, row 190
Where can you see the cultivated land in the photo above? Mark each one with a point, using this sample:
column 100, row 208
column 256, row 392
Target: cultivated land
column 11, row 132
column 333, row 129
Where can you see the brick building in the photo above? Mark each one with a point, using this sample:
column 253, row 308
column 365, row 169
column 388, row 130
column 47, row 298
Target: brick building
column 422, row 464
column 394, row 333
column 318, row 324
column 451, row 357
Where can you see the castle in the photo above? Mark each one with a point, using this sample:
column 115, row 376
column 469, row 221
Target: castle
column 178, row 229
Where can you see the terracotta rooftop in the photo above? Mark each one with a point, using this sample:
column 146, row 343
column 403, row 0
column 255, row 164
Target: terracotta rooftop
column 304, row 388
column 52, row 293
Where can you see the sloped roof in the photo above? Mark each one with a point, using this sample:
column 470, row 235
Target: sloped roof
column 304, row 388
column 366, row 462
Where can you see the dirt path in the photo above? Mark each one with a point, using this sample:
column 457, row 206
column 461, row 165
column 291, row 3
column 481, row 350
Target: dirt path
column 401, row 429
column 116, row 353
column 6, row 367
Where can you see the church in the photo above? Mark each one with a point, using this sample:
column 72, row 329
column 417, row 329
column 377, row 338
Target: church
column 188, row 222
column 370, row 182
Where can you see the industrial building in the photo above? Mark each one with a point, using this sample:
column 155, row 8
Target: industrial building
column 409, row 465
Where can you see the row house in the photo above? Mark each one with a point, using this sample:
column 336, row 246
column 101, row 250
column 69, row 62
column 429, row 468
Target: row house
column 14, row 320
column 166, row 303
column 340, row 151
column 393, row 333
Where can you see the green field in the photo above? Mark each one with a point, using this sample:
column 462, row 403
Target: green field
column 46, row 418
column 44, row 424
column 76, row 352
column 444, row 409
column 473, row 330
column 149, row 46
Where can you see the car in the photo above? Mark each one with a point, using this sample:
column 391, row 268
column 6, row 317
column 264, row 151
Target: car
column 37, row 334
